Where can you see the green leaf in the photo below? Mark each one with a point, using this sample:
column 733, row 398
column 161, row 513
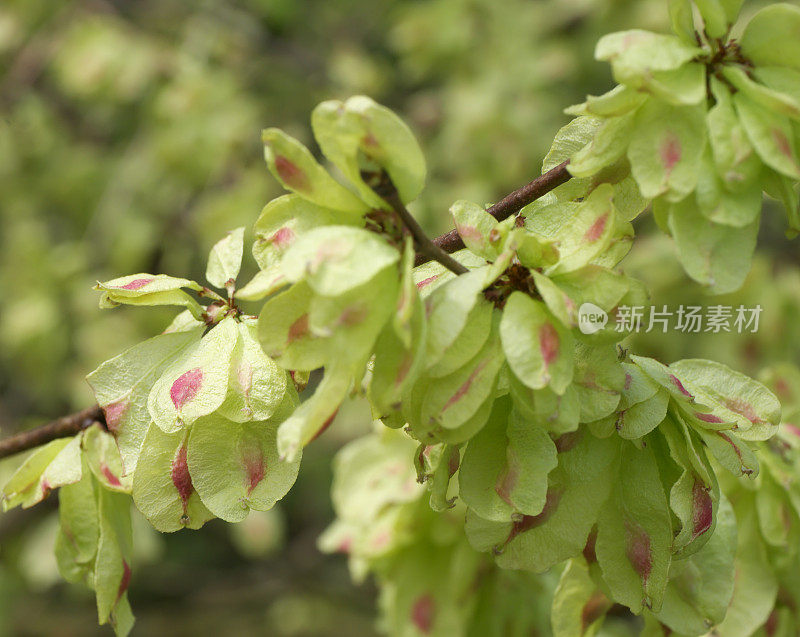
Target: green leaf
column 480, row 231
column 771, row 134
column 732, row 453
column 772, row 37
column 52, row 465
column 635, row 53
column 734, row 156
column 756, row 585
column 225, row 259
column 315, row 414
column 396, row 365
column 450, row 401
column 112, row 570
column 121, row 386
column 196, row 384
column 257, row 385
column 712, row 254
column 79, row 531
column 293, row 165
column 331, row 259
column 774, row 100
column 578, row 607
column 236, row 467
column 447, row 309
column 665, row 149
column 720, row 205
column 754, row 408
column 104, row 460
column 588, row 233
column 162, row 485
column 598, row 381
column 436, row 465
column 280, row 223
column 284, row 334
column 715, row 19
column 505, row 467
column 682, row 20
column 618, row 101
column 577, row 489
column 607, row 146
column 638, row 419
column 634, row 532
column 149, row 289
column 538, row 348
column 361, row 129
column 700, row 587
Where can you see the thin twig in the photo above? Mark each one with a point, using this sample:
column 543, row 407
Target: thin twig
column 425, row 247
column 507, row 206
column 61, row 428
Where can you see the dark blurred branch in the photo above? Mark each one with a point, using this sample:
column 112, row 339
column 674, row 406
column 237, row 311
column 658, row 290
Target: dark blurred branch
column 507, row 206
column 60, row 428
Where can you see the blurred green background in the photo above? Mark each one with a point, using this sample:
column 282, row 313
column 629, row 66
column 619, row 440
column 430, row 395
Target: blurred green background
column 129, row 141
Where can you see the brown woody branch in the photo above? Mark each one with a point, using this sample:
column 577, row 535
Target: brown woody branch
column 60, row 428
column 507, row 206
column 437, row 249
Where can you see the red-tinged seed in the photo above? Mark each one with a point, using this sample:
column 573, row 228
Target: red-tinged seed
column 282, row 238
column 125, row 581
column 589, row 551
column 702, row 509
column 298, row 329
column 711, row 418
column 782, row 142
column 594, row 609
column 136, row 284
column 454, row 461
column 743, row 408
column 507, row 480
column 423, row 613
column 255, row 467
column 792, row 428
column 291, row 174
column 461, row 392
column 677, row 382
column 637, row 550
column 405, row 367
column 528, row 522
column 548, row 344
column 566, row 442
column 595, row 231
column 670, row 152
column 114, row 412
column 427, row 281
column 109, row 475
column 325, row 425
column 470, row 233
column 185, row 387
column 181, row 478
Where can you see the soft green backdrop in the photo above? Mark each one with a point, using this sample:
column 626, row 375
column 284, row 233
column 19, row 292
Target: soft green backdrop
column 129, row 141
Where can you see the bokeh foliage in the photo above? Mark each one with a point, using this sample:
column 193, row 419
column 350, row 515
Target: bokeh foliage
column 129, row 141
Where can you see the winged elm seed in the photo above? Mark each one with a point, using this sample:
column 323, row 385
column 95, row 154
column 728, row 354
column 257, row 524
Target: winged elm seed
column 637, row 550
column 291, row 174
column 186, row 386
column 702, row 509
column 423, row 613
column 181, row 478
column 670, row 152
column 136, row 284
